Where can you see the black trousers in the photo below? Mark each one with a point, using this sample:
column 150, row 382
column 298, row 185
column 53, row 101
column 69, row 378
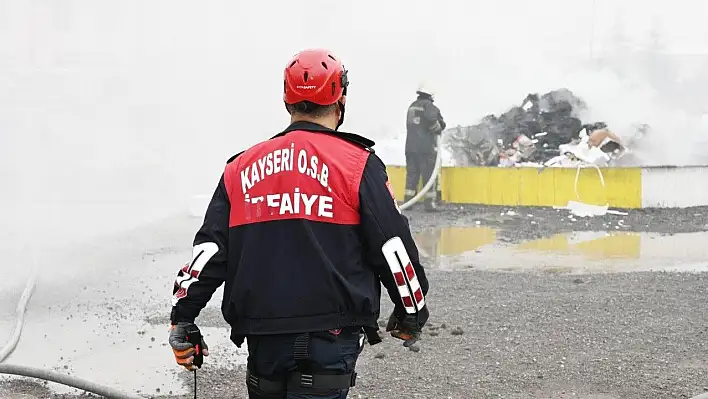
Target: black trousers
column 330, row 352
column 419, row 165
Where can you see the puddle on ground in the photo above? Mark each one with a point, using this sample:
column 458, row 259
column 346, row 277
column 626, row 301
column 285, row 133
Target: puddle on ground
column 577, row 252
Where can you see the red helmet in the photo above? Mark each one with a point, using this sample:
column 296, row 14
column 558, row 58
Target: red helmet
column 315, row 76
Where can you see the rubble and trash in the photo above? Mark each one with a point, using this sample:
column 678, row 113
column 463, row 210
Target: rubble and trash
column 544, row 131
column 600, row 147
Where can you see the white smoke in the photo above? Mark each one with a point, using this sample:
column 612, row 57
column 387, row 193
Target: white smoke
column 114, row 113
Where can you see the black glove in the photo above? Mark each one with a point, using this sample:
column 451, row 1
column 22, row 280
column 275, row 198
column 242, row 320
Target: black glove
column 443, row 125
column 407, row 327
column 184, row 351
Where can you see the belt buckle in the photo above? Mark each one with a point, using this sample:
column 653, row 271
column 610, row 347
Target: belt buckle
column 253, row 380
column 306, row 380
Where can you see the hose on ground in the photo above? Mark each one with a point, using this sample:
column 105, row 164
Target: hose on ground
column 47, row 375
column 431, row 181
column 21, row 308
column 64, row 379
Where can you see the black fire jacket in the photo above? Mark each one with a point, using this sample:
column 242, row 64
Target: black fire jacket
column 302, row 228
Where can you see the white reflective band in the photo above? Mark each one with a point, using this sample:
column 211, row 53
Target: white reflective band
column 404, row 275
column 189, row 274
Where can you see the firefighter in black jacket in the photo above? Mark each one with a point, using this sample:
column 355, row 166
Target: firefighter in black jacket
column 303, row 228
column 424, row 123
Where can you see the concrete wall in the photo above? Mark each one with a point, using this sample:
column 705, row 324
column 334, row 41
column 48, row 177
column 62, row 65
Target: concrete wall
column 663, row 187
column 679, row 187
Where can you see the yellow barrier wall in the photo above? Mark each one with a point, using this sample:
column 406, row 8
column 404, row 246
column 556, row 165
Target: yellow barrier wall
column 397, row 177
column 533, row 187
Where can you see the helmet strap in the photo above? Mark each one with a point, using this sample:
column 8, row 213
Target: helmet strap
column 341, row 115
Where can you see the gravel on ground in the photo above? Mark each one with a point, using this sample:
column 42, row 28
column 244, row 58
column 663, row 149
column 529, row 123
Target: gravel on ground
column 526, row 223
column 531, row 334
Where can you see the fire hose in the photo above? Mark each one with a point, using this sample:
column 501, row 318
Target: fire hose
column 74, row 382
column 42, row 374
column 429, row 184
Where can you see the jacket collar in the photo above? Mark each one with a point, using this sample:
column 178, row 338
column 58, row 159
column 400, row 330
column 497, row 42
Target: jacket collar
column 317, row 128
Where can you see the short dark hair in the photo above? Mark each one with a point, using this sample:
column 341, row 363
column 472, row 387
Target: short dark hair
column 310, row 109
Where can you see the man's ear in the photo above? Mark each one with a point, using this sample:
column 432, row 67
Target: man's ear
column 343, row 100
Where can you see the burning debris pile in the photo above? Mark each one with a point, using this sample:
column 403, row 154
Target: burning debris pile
column 543, row 131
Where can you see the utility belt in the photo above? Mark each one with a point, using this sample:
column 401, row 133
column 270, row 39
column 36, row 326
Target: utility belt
column 298, row 382
column 303, row 379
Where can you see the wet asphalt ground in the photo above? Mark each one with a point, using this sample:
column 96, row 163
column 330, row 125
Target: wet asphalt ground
column 492, row 334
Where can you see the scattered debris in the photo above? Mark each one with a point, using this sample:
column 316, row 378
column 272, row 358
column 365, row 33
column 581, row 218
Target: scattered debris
column 457, row 331
column 544, row 131
column 613, row 212
column 599, row 148
column 582, row 210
